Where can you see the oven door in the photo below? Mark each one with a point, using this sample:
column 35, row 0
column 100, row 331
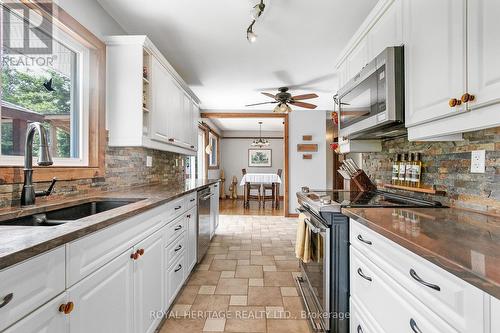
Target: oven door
column 314, row 284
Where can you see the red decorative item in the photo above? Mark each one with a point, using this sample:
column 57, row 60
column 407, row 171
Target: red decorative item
column 334, row 146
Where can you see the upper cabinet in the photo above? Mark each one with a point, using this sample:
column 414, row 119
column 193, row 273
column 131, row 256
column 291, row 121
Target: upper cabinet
column 148, row 103
column 452, row 73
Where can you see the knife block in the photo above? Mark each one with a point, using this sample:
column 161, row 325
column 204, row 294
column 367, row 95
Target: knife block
column 363, row 183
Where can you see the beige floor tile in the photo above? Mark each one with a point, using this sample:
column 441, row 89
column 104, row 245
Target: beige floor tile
column 275, row 312
column 232, row 287
column 202, row 267
column 249, row 272
column 289, row 291
column 220, row 256
column 278, row 279
column 246, row 319
column 269, row 268
column 243, row 262
column 206, row 290
column 223, row 265
column 227, row 274
column 238, row 255
column 287, row 326
column 294, row 306
column 238, row 300
column 287, row 265
column 182, row 325
column 214, row 325
column 262, row 260
column 200, row 278
column 264, row 296
column 187, row 295
column 180, row 310
column 255, row 253
column 210, row 303
column 256, row 282
column 217, row 250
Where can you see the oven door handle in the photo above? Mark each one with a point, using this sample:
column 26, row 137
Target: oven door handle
column 308, row 309
column 313, row 228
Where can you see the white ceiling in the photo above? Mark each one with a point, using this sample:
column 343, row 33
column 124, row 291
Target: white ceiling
column 248, row 124
column 205, row 41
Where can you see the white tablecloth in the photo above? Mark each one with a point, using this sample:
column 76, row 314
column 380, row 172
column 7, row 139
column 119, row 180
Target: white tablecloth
column 260, row 178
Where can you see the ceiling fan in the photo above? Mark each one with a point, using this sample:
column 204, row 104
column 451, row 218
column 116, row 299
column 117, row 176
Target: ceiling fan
column 283, row 98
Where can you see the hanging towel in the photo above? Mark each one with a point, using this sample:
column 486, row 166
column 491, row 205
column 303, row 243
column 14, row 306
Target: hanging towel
column 302, row 243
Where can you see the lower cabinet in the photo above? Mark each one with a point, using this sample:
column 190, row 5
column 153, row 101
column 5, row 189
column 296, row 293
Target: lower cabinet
column 192, row 222
column 104, row 301
column 47, row 319
column 148, row 282
column 175, row 277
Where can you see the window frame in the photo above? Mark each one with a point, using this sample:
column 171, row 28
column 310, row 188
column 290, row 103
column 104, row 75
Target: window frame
column 212, row 134
column 91, row 161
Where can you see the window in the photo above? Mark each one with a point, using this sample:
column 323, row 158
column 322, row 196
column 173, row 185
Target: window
column 201, row 170
column 52, row 72
column 213, row 156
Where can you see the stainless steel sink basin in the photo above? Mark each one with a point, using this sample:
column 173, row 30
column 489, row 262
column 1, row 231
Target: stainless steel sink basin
column 68, row 214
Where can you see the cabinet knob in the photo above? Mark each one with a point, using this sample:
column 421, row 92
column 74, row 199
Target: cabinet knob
column 140, row 252
column 66, row 308
column 134, row 256
column 467, row 98
column 454, row 102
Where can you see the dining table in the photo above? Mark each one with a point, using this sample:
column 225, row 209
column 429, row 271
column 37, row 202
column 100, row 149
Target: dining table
column 261, row 178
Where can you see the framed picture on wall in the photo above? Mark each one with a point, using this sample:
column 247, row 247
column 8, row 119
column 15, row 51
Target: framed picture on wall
column 259, row 157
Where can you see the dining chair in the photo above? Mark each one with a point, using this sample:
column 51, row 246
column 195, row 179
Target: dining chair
column 274, row 188
column 249, row 195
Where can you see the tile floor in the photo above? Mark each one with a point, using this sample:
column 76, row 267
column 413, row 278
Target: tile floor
column 245, row 282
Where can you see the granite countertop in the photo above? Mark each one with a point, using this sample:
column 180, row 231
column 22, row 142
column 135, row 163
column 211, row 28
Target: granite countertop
column 464, row 243
column 18, row 243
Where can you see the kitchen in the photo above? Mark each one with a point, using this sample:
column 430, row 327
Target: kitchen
column 110, row 217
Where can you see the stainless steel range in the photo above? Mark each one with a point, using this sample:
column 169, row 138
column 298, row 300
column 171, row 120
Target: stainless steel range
column 324, row 282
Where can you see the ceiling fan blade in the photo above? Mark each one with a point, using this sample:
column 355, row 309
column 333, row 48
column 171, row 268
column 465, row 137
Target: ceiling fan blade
column 305, row 96
column 268, row 95
column 261, row 103
column 304, row 105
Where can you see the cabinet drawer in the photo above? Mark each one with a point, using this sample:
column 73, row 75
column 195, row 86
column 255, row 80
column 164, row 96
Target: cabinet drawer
column 176, row 207
column 361, row 321
column 454, row 300
column 191, row 200
column 87, row 254
column 175, row 278
column 175, row 228
column 30, row 284
column 401, row 312
column 175, row 248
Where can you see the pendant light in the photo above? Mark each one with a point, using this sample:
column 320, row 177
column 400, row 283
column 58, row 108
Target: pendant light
column 260, row 142
column 256, row 13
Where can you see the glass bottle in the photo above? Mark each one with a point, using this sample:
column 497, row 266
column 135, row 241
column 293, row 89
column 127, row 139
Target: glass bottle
column 395, row 170
column 402, row 170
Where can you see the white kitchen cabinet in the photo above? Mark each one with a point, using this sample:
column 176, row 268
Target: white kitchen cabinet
column 483, row 53
column 149, row 291
column 387, row 31
column 151, row 109
column 214, row 209
column 494, row 314
column 358, row 58
column 46, row 319
column 192, row 235
column 176, row 274
column 435, row 58
column 104, row 301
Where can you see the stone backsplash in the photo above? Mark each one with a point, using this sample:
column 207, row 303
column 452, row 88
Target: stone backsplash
column 125, row 167
column 447, row 165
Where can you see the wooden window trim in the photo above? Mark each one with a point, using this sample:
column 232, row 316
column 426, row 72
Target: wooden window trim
column 97, row 112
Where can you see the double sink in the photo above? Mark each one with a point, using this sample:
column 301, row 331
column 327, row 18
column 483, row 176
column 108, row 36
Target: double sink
column 68, row 214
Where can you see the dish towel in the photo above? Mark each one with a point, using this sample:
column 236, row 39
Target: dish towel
column 302, row 243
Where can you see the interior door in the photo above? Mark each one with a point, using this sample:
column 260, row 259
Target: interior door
column 149, row 288
column 104, row 300
column 435, row 58
column 484, row 52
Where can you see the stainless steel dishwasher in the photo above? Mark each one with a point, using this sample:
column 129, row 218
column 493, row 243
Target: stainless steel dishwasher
column 204, row 196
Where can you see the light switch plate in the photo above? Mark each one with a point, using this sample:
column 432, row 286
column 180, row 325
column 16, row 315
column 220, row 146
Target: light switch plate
column 477, row 161
column 149, row 161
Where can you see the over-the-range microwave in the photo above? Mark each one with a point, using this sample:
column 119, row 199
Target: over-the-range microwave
column 371, row 105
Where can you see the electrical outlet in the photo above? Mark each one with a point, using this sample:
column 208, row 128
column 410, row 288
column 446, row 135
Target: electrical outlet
column 149, row 161
column 477, row 161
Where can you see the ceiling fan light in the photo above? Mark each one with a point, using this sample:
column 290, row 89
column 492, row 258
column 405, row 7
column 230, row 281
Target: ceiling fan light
column 282, row 108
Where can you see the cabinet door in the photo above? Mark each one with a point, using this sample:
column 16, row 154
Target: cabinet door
column 165, row 104
column 358, row 58
column 192, row 220
column 484, row 52
column 495, row 318
column 388, row 31
column 434, row 58
column 194, row 124
column 104, row 300
column 149, row 287
column 46, row 319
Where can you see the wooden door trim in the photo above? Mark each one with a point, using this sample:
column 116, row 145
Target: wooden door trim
column 285, row 142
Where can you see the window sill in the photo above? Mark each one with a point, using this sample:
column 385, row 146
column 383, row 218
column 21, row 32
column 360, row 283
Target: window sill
column 15, row 175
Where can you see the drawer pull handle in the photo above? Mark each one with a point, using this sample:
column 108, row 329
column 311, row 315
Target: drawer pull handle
column 140, row 252
column 6, row 300
column 419, row 280
column 364, row 240
column 414, row 326
column 179, row 227
column 188, row 216
column 360, row 272
column 178, row 248
column 66, row 308
column 135, row 255
column 178, row 268
column 192, row 200
column 359, row 329
column 178, row 207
